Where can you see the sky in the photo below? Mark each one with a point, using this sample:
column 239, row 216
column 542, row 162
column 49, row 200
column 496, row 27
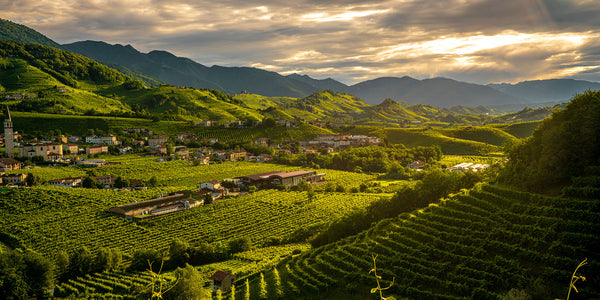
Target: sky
column 478, row 41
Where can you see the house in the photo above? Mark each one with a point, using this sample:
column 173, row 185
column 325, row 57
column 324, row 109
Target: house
column 67, row 182
column 124, row 150
column 96, row 149
column 72, row 148
column 13, row 179
column 204, row 159
column 74, row 139
column 155, row 206
column 41, row 149
column 261, row 142
column 182, row 151
column 157, row 140
column 275, row 178
column 417, row 164
column 8, row 163
column 222, row 280
column 92, row 162
column 211, row 185
column 54, row 157
column 235, row 155
column 106, row 181
column 206, row 123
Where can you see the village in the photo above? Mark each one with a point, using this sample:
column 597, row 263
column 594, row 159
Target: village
column 23, row 153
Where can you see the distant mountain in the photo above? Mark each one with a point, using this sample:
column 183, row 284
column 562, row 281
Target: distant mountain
column 21, row 33
column 185, row 72
column 321, row 84
column 551, row 90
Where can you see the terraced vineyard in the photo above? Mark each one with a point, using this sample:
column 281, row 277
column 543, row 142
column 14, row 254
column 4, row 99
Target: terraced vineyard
column 125, row 285
column 475, row 245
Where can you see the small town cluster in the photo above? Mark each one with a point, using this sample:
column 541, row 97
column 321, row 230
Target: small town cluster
column 81, row 150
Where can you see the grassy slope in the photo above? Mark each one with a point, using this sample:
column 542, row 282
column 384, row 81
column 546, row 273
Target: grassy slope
column 24, row 78
column 519, row 130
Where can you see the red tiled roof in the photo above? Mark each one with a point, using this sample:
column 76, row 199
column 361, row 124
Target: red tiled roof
column 219, row 275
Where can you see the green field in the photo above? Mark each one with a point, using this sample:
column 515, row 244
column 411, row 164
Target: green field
column 64, row 218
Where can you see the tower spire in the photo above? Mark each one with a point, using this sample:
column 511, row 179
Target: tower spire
column 6, row 114
column 9, row 139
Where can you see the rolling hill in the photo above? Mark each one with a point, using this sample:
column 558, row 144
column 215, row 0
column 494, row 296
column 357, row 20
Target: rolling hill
column 17, row 32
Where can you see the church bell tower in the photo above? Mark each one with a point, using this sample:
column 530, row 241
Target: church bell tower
column 9, row 139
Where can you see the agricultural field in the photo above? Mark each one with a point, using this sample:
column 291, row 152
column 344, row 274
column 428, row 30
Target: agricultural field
column 478, row 245
column 64, row 218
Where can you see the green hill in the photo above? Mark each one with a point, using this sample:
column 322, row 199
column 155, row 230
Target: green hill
column 486, row 135
column 561, row 147
column 388, row 111
column 449, row 145
column 475, row 245
column 20, row 77
column 21, row 33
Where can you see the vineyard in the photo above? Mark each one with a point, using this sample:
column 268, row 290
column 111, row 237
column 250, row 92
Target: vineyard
column 183, row 174
column 49, row 219
column 475, row 245
column 124, row 285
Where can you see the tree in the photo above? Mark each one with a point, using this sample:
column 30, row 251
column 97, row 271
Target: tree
column 119, row 182
column 207, row 198
column 103, row 260
column 179, row 253
column 32, row 180
column 62, row 264
column 142, row 258
column 240, row 245
column 189, row 285
column 81, row 262
column 89, row 182
column 152, row 181
column 38, row 273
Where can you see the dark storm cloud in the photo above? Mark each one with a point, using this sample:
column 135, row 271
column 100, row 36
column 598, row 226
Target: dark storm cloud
column 477, row 41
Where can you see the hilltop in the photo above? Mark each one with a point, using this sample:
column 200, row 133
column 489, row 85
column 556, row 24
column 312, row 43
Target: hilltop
column 17, row 32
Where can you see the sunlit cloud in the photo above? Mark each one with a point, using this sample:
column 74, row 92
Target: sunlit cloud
column 347, row 16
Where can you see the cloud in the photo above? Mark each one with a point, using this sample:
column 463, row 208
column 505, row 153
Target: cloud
column 477, row 41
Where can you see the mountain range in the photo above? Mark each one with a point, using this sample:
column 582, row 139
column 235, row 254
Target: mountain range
column 157, row 67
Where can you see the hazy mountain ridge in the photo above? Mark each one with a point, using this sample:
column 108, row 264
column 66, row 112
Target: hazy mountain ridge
column 551, row 90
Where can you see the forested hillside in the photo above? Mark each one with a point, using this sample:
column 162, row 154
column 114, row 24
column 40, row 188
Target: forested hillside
column 563, row 146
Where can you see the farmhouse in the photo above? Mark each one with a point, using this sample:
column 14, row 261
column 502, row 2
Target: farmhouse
column 13, row 179
column 8, row 163
column 160, row 205
column 96, row 149
column 274, row 178
column 211, row 185
column 222, row 280
column 67, row 182
column 40, row 149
